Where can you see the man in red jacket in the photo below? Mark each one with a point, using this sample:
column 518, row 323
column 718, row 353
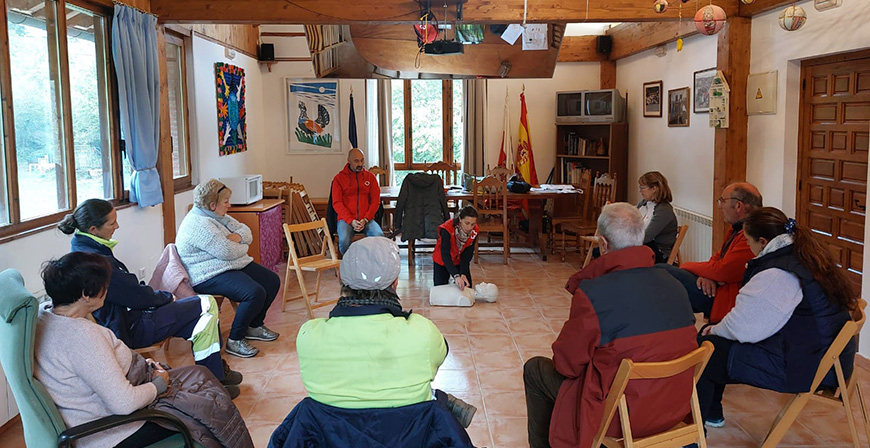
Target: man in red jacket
column 712, row 285
column 623, row 307
column 356, row 197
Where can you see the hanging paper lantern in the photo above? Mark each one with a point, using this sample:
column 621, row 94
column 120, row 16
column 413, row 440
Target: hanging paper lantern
column 792, row 18
column 747, row 2
column 710, row 19
column 660, row 6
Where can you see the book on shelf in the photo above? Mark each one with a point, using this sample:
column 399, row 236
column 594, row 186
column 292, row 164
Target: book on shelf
column 574, row 145
column 571, row 172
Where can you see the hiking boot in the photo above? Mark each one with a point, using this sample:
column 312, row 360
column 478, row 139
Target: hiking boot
column 231, row 377
column 463, row 411
column 232, row 391
column 241, row 348
column 261, row 333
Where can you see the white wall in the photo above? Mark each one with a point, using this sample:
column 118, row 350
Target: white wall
column 773, row 139
column 203, row 115
column 683, row 154
column 541, row 107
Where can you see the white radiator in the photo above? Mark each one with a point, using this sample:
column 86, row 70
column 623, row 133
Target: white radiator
column 699, row 239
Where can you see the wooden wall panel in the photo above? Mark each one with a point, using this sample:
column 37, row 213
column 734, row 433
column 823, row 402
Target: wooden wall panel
column 580, row 49
column 242, row 38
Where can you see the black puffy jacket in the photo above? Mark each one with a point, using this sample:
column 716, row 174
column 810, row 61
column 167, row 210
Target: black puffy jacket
column 421, row 207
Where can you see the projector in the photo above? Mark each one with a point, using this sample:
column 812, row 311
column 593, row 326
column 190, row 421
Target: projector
column 443, row 47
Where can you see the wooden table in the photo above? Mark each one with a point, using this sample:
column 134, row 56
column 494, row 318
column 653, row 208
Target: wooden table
column 535, row 198
column 264, row 219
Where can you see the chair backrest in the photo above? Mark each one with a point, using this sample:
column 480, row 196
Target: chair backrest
column 380, row 174
column 293, row 258
column 675, row 251
column 445, row 170
column 18, row 312
column 628, row 370
column 490, row 196
column 500, row 172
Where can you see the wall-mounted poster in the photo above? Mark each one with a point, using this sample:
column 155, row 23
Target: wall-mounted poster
column 720, row 93
column 678, row 107
column 232, row 131
column 312, row 113
column 703, row 80
column 652, row 99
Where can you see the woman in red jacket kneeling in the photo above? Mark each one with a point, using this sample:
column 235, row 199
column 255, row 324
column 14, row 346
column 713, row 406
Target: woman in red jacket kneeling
column 455, row 247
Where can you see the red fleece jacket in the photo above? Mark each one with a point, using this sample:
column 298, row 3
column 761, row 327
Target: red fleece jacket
column 355, row 195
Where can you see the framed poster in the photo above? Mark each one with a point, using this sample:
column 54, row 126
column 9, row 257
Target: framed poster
column 652, row 99
column 703, row 80
column 312, row 113
column 678, row 107
column 230, row 93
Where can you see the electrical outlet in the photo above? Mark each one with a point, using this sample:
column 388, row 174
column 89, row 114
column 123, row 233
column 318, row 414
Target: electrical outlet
column 142, row 274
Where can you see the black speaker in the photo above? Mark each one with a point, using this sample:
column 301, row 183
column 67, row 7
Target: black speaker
column 604, row 44
column 267, row 52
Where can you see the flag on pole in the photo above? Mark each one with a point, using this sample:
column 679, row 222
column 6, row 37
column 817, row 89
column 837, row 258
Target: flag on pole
column 351, row 127
column 525, row 163
column 507, row 143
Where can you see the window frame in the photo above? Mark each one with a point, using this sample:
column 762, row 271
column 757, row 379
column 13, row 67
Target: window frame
column 16, row 227
column 175, row 38
column 447, row 123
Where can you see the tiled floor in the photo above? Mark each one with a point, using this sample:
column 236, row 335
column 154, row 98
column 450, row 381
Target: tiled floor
column 488, row 344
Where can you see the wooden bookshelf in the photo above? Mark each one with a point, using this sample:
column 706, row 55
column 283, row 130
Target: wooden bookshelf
column 601, row 147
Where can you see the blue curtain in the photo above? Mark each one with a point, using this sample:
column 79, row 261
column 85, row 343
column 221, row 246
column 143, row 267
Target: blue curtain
column 134, row 47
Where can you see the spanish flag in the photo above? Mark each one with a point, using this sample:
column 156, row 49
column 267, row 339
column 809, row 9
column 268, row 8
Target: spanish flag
column 525, row 163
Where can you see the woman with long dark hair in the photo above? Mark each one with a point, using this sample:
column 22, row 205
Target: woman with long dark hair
column 793, row 303
column 455, row 247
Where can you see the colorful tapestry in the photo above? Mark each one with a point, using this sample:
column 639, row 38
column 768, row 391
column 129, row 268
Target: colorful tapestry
column 232, row 131
column 312, row 109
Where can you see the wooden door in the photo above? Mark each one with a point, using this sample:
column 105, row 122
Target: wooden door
column 832, row 178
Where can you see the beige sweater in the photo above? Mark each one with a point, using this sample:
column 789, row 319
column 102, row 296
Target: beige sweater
column 84, row 366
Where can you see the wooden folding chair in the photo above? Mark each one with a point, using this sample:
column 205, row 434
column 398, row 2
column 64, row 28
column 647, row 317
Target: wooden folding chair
column 674, row 257
column 680, row 435
column 312, row 263
column 490, row 199
column 839, row 397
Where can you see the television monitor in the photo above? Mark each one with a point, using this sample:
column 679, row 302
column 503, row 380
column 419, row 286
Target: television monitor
column 569, row 106
column 603, row 106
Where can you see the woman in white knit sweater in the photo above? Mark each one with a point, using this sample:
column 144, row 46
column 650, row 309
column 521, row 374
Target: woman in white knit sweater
column 213, row 247
column 83, row 365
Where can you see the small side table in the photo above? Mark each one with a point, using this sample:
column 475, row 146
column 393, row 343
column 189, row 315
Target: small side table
column 264, row 219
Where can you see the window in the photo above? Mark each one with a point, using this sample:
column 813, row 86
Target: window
column 59, row 120
column 177, row 75
column 427, row 124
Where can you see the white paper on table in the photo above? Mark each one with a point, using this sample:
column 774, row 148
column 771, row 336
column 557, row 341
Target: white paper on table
column 535, row 37
column 512, row 33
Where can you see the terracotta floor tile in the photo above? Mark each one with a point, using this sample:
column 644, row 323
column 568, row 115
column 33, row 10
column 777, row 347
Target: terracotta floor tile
column 531, row 326
column 758, row 424
column 479, row 432
column 455, row 380
column 520, row 313
column 451, row 327
column 509, row 432
column 284, row 385
column 500, row 379
column 458, row 360
column 504, row 403
column 491, row 343
column 503, row 360
column 729, row 436
column 486, row 326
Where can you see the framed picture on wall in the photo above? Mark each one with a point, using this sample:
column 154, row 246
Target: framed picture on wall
column 312, row 116
column 652, row 99
column 703, row 80
column 678, row 107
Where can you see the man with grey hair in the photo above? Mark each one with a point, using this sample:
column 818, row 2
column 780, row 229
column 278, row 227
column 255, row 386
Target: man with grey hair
column 622, row 308
column 356, row 197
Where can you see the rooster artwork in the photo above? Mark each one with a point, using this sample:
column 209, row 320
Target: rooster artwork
column 232, row 131
column 313, row 105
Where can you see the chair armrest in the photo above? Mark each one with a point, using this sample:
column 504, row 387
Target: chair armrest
column 66, row 438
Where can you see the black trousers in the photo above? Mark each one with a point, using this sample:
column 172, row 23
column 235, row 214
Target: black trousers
column 700, row 302
column 442, row 276
column 542, row 383
column 712, row 383
column 253, row 286
column 148, row 434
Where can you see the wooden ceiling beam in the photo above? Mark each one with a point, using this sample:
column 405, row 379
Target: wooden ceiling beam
column 580, row 49
column 761, row 6
column 632, row 38
column 407, row 11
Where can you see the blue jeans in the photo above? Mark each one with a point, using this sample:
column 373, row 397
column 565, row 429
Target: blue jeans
column 253, row 286
column 700, row 302
column 346, row 233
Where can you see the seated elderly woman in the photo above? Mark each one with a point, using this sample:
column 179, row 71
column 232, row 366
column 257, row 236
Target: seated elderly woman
column 90, row 374
column 213, row 246
column 659, row 220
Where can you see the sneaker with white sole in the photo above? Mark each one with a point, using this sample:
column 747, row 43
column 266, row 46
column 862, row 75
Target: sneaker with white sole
column 261, row 333
column 241, row 348
column 715, row 422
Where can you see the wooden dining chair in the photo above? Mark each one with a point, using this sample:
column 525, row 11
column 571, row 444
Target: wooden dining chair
column 500, row 172
column 603, row 193
column 325, row 260
column 674, row 257
column 389, row 207
column 490, row 199
column 447, row 171
column 840, row 397
column 680, row 435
